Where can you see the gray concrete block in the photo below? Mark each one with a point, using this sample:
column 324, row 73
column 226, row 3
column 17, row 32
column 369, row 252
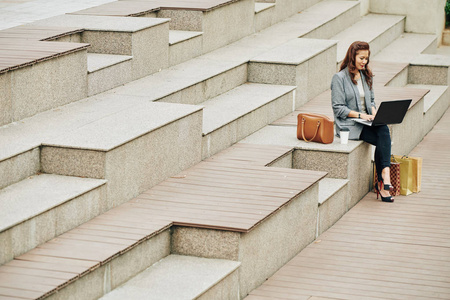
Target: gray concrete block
column 282, row 162
column 43, row 86
column 133, row 149
column 333, row 202
column 227, row 24
column 351, row 161
column 264, row 16
column 6, row 111
column 335, row 15
column 407, row 135
column 421, row 17
column 278, row 239
column 41, row 207
column 304, row 63
column 429, row 69
column 182, row 277
column 214, row 243
column 106, row 71
column 378, row 30
column 189, row 20
column 19, row 167
column 232, row 116
column 184, row 45
column 406, row 48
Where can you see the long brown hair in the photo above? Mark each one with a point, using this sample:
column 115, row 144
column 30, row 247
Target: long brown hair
column 350, row 58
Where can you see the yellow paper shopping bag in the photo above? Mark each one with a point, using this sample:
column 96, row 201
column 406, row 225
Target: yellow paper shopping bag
column 416, row 173
column 406, row 174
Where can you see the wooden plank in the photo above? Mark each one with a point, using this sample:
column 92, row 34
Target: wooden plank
column 38, row 273
column 21, row 294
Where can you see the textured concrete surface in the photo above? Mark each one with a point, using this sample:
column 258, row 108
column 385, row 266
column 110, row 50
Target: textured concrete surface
column 41, row 207
column 227, row 24
column 264, row 15
column 215, row 243
column 278, row 239
column 406, row 47
column 410, row 132
column 429, row 69
column 19, row 167
column 305, row 63
column 222, row 129
column 106, row 71
column 378, row 30
column 184, row 45
column 43, row 86
column 132, row 157
column 421, row 17
column 333, row 194
column 177, row 277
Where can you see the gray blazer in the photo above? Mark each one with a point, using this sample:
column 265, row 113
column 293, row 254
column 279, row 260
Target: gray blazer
column 344, row 98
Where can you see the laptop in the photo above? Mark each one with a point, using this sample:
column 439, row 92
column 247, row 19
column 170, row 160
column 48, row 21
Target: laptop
column 389, row 112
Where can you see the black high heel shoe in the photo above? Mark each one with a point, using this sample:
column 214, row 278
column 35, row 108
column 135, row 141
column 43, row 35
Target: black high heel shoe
column 386, row 187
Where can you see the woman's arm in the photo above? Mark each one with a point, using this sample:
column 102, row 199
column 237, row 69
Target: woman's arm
column 339, row 103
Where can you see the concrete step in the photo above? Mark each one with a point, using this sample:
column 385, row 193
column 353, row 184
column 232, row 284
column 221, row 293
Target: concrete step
column 122, row 36
column 191, row 82
column 182, row 277
column 222, row 22
column 406, row 47
column 184, row 45
column 433, row 69
column 436, row 103
column 333, row 202
column 264, row 15
column 107, row 71
column 378, row 30
column 234, row 115
column 127, row 147
column 305, row 63
column 43, row 206
column 339, row 161
column 329, row 17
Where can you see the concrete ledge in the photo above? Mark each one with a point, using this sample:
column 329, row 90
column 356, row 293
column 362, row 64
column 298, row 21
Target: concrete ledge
column 429, row 69
column 234, row 115
column 264, row 16
column 436, row 103
column 407, row 47
column 264, row 249
column 42, row 86
column 123, row 36
column 128, row 147
column 333, row 202
column 421, row 17
column 107, row 71
column 184, row 45
column 41, row 207
column 300, row 62
column 180, row 277
column 340, row 161
column 220, row 25
column 191, row 82
column 19, row 167
column 378, row 30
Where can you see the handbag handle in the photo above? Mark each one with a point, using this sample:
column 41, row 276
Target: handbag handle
column 303, row 130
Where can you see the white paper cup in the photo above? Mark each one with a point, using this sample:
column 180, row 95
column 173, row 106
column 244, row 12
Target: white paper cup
column 344, row 137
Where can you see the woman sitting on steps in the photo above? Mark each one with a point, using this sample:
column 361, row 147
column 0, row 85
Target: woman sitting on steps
column 352, row 97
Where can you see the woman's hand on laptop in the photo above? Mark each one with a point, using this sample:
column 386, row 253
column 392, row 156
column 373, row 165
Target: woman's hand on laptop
column 367, row 117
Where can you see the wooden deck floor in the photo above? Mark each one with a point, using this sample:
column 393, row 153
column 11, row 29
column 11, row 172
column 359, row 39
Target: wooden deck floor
column 379, row 250
column 232, row 190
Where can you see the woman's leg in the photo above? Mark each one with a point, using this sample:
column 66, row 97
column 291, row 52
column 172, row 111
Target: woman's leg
column 379, row 136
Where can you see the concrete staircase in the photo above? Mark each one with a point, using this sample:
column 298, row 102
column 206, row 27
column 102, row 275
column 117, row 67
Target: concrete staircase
column 96, row 191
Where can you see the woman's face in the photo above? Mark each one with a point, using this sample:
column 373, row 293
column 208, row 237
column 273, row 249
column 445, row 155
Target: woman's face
column 361, row 59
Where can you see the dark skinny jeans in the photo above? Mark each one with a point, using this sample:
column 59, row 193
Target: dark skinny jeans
column 380, row 137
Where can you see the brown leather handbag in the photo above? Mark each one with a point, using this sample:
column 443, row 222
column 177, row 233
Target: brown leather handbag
column 315, row 128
